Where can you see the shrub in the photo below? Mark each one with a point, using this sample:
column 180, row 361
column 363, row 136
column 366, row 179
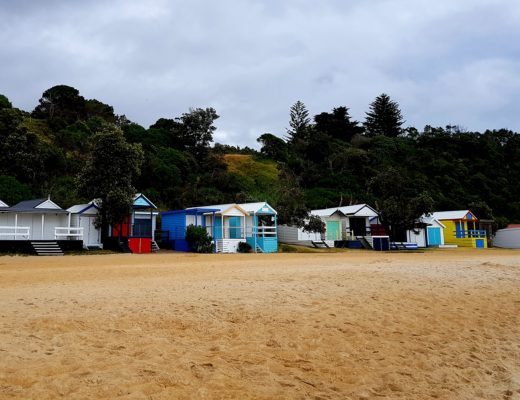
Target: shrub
column 198, row 239
column 244, row 247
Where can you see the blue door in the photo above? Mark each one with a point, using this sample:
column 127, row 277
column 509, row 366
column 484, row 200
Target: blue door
column 234, row 228
column 434, row 236
column 218, row 228
column 459, row 229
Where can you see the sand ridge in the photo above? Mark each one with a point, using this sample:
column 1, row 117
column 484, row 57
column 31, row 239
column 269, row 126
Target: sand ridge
column 349, row 325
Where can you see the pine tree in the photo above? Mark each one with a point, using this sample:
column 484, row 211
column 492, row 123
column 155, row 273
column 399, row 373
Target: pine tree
column 299, row 122
column 384, row 117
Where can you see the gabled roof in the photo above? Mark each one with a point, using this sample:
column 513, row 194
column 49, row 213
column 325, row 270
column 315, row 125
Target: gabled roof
column 41, row 206
column 356, row 210
column 454, row 215
column 141, row 201
column 431, row 220
column 258, row 207
column 2, row 204
column 221, row 208
column 81, row 208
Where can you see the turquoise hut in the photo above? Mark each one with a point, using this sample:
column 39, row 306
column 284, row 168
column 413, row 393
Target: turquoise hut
column 262, row 231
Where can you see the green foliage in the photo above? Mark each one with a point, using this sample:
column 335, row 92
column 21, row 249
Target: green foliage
column 4, row 102
column 290, row 203
column 12, row 191
column 198, row 239
column 299, row 122
column 108, row 174
column 63, row 190
column 273, row 147
column 256, row 179
column 244, row 247
column 61, row 105
column 327, row 161
column 95, row 108
column 320, row 197
column 337, row 125
column 399, row 201
column 384, row 117
column 314, row 224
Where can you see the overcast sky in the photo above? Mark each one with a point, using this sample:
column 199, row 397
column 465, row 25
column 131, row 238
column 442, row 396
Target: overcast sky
column 444, row 61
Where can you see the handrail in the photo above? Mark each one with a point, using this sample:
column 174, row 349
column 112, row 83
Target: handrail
column 262, row 231
column 67, row 231
column 17, row 231
column 469, row 233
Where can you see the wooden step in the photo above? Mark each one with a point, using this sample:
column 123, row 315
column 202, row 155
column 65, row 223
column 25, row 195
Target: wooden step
column 47, row 248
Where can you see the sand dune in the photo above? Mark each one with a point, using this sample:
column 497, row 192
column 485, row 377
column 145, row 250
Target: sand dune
column 350, row 325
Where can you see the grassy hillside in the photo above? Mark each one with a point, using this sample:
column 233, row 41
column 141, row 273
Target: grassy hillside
column 258, row 179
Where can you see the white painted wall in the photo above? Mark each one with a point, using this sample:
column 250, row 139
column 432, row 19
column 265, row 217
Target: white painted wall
column 507, row 238
column 419, row 238
column 293, row 234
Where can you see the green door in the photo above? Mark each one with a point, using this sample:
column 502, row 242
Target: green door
column 333, row 232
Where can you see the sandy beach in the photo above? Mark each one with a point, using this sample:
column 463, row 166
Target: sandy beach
column 349, row 325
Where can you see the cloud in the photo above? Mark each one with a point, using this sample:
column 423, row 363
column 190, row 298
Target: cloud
column 444, row 62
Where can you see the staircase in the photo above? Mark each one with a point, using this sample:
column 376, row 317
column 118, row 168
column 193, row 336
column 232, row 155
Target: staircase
column 318, row 244
column 49, row 248
column 155, row 246
column 259, row 249
column 365, row 243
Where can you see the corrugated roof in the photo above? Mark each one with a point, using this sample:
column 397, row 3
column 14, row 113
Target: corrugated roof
column 218, row 207
column 430, row 220
column 221, row 207
column 451, row 215
column 349, row 211
column 30, row 206
column 247, row 207
column 79, row 208
column 255, row 207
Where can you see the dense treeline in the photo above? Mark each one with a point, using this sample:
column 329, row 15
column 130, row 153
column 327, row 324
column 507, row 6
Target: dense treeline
column 402, row 171
column 322, row 161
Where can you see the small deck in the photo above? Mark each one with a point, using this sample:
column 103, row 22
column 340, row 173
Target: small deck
column 29, row 246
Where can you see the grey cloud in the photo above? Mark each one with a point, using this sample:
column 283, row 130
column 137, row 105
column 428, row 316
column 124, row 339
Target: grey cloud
column 445, row 62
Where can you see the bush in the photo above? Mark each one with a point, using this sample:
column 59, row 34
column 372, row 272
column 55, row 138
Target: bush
column 244, row 247
column 198, row 239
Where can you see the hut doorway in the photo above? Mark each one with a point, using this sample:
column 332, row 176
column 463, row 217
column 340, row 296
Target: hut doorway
column 358, row 226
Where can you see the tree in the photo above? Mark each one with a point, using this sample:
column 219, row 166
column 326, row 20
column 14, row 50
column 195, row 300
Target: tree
column 197, row 129
column 384, row 117
column 12, row 191
column 298, row 123
column 337, row 124
column 273, row 147
column 314, row 224
column 4, row 102
column 193, row 131
column 95, row 108
column 399, row 201
column 62, row 105
column 23, row 152
column 291, row 200
column 112, row 166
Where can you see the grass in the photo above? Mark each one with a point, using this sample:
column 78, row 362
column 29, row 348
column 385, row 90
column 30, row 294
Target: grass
column 256, row 177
